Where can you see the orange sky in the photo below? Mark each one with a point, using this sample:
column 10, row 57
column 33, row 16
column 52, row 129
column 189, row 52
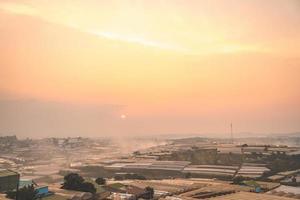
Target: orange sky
column 149, row 67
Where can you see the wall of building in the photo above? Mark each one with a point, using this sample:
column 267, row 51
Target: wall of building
column 8, row 183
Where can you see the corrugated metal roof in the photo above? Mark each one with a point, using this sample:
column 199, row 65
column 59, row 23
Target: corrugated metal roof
column 249, row 195
column 188, row 169
column 287, row 189
column 214, row 166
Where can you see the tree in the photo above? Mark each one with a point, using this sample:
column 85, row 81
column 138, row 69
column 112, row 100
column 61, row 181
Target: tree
column 88, row 187
column 149, row 192
column 136, row 153
column 24, row 193
column 195, row 147
column 27, row 193
column 118, row 178
column 73, row 181
column 11, row 194
column 101, row 181
column 188, row 175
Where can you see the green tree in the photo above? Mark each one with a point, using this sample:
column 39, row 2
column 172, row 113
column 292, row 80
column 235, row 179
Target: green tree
column 136, row 153
column 188, row 175
column 73, row 181
column 27, row 193
column 134, row 176
column 149, row 192
column 118, row 178
column 87, row 187
column 101, row 181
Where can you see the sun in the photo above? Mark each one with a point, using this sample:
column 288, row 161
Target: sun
column 123, row 116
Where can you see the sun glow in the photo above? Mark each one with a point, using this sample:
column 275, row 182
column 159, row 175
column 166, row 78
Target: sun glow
column 134, row 39
column 207, row 43
column 171, row 65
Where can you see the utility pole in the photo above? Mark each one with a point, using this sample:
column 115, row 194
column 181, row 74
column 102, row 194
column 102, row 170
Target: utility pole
column 231, row 133
column 17, row 189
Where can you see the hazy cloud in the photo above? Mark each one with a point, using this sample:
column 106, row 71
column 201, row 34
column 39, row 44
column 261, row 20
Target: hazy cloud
column 27, row 118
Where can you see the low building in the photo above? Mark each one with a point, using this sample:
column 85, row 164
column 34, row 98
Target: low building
column 8, row 180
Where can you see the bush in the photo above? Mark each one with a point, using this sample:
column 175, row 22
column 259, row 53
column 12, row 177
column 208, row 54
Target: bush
column 238, row 180
column 135, row 176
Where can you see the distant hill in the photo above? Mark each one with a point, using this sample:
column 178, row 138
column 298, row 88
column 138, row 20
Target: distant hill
column 297, row 134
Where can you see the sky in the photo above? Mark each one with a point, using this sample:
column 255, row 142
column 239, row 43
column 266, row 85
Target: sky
column 140, row 67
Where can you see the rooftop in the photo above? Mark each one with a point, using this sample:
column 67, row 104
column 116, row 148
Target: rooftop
column 249, row 195
column 286, row 189
column 55, row 197
column 5, row 172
